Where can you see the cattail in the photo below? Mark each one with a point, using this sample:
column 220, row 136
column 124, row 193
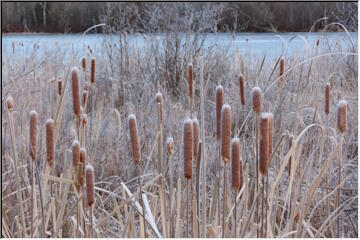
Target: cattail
column 219, row 104
column 188, row 148
column 83, row 162
column 170, row 146
column 90, row 191
column 159, row 99
column 75, row 153
column 84, row 119
column 33, row 134
column 84, row 96
column 76, row 91
column 225, row 132
column 84, row 63
column 50, row 141
column 60, row 86
column 341, row 122
column 264, row 144
column 242, row 90
column 191, row 80
column 282, row 68
column 196, row 135
column 93, row 71
column 291, row 139
column 256, row 97
column 271, row 127
column 236, row 165
column 134, row 137
column 10, row 103
column 327, row 98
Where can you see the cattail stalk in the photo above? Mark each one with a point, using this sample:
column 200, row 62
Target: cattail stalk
column 271, row 129
column 134, row 137
column 236, row 172
column 225, row 149
column 196, row 136
column 32, row 148
column 256, row 99
column 191, row 87
column 159, row 100
column 170, row 152
column 82, row 180
column 341, row 122
column 327, row 99
column 219, row 103
column 10, row 107
column 264, row 159
column 93, row 72
column 188, row 155
column 50, row 142
column 60, row 87
column 282, row 69
column 76, row 91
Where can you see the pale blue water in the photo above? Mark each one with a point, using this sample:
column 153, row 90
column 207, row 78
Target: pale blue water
column 256, row 44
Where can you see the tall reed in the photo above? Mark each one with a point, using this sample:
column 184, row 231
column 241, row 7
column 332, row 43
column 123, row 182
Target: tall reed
column 32, row 151
column 236, row 170
column 50, row 142
column 188, row 155
column 90, row 193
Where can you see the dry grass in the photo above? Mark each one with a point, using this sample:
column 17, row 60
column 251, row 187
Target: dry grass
column 306, row 201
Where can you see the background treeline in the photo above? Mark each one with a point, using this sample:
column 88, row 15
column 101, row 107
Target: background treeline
column 163, row 17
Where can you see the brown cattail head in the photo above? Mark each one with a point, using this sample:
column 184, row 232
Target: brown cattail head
column 282, row 68
column 170, row 146
column 256, row 97
column 264, row 144
column 159, row 99
column 10, row 103
column 236, row 165
column 219, row 104
column 83, row 61
column 75, row 153
column 50, row 142
column 33, row 134
column 291, row 139
column 84, row 119
column 84, row 96
column 134, row 137
column 225, row 132
column 327, row 98
column 271, row 129
column 60, row 86
column 90, row 190
column 76, row 91
column 83, row 162
column 188, row 148
column 196, row 135
column 242, row 89
column 191, row 80
column 93, row 71
column 341, row 110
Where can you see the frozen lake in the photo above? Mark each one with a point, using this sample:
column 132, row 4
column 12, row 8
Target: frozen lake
column 256, row 44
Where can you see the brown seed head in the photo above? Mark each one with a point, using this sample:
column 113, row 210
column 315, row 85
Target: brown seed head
column 90, row 190
column 10, row 103
column 256, row 97
column 191, row 80
column 134, row 138
column 83, row 161
column 327, row 98
column 341, row 121
column 188, row 148
column 219, row 104
column 33, row 134
column 236, row 165
column 282, row 69
column 242, row 89
column 76, row 91
column 50, row 142
column 75, row 153
column 84, row 96
column 59, row 86
column 93, row 71
column 264, row 144
column 196, row 135
column 83, row 61
column 271, row 128
column 159, row 99
column 225, row 132
column 84, row 119
column 170, row 146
